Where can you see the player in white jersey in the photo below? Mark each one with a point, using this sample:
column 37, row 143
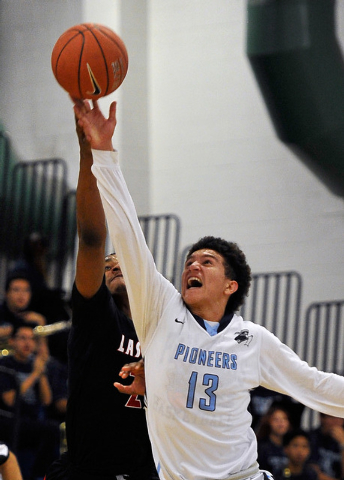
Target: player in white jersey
column 201, row 359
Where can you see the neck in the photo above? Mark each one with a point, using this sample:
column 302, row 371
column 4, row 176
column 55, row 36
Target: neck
column 122, row 303
column 21, row 358
column 277, row 439
column 295, row 468
column 212, row 314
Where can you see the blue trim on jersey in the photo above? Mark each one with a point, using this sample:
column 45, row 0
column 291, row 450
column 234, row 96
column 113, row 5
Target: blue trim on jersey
column 225, row 320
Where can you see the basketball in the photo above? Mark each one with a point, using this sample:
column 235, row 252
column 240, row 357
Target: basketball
column 89, row 61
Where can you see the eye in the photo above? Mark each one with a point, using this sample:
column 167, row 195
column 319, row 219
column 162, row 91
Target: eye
column 107, row 269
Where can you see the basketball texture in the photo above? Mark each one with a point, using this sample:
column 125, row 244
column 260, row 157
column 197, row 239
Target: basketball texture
column 89, row 61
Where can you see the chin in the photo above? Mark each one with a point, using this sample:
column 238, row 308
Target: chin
column 118, row 289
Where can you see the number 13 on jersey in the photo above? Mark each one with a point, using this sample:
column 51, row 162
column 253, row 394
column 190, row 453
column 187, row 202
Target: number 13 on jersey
column 211, row 383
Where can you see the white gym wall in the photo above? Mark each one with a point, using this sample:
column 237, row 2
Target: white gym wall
column 193, row 132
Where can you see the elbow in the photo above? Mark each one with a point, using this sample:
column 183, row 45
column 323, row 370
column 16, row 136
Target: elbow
column 92, row 239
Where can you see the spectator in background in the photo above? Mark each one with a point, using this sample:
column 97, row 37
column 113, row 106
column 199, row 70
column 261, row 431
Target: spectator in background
column 262, row 399
column 25, row 392
column 57, row 375
column 47, row 301
column 327, row 448
column 297, row 449
column 34, row 261
column 274, row 425
column 34, row 265
column 15, row 310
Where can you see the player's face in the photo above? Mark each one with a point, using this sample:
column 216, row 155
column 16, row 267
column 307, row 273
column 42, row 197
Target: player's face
column 113, row 275
column 204, row 284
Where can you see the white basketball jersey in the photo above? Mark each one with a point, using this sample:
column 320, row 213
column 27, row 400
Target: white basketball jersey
column 198, row 385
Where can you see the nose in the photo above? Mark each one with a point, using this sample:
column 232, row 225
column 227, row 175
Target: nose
column 195, row 265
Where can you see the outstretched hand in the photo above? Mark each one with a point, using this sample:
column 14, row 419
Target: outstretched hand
column 97, row 129
column 138, row 386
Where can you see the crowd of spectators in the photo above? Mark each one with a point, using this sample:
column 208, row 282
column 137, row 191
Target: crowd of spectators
column 33, row 367
column 33, row 390
column 289, row 451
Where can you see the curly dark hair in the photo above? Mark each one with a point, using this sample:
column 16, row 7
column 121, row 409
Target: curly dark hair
column 236, row 267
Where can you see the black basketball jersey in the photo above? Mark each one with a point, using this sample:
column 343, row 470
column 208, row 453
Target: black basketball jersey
column 104, row 427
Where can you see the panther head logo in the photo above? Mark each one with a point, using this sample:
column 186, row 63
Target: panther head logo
column 243, row 337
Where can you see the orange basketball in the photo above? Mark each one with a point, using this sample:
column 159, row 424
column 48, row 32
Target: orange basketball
column 89, row 61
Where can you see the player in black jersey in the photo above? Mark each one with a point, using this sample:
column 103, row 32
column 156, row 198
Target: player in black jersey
column 106, row 431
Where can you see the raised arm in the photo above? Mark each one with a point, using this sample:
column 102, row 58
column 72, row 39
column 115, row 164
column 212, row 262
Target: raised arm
column 148, row 291
column 90, row 221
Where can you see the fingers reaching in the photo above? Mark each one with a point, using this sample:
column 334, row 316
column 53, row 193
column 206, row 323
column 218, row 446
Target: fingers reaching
column 97, row 129
column 137, row 387
column 112, row 111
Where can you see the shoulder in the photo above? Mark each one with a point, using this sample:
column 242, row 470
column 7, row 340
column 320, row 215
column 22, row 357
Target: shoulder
column 9, row 368
column 98, row 318
column 264, row 444
column 4, row 311
column 76, row 295
column 315, row 432
column 87, row 306
column 261, row 331
column 247, row 326
column 7, row 360
column 310, row 473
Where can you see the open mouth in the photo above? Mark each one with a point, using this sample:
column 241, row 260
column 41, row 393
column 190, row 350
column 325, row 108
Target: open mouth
column 194, row 282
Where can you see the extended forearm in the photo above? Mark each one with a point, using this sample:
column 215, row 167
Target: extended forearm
column 90, row 213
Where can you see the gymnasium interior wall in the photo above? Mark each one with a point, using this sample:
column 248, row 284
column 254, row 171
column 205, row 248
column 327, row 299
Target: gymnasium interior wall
column 194, row 134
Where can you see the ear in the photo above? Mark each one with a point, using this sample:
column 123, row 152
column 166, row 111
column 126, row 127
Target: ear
column 231, row 287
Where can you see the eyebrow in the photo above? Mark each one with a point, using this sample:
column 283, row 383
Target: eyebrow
column 205, row 254
column 22, row 335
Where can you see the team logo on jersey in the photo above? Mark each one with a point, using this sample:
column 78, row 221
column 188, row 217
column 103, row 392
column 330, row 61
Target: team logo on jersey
column 243, row 337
